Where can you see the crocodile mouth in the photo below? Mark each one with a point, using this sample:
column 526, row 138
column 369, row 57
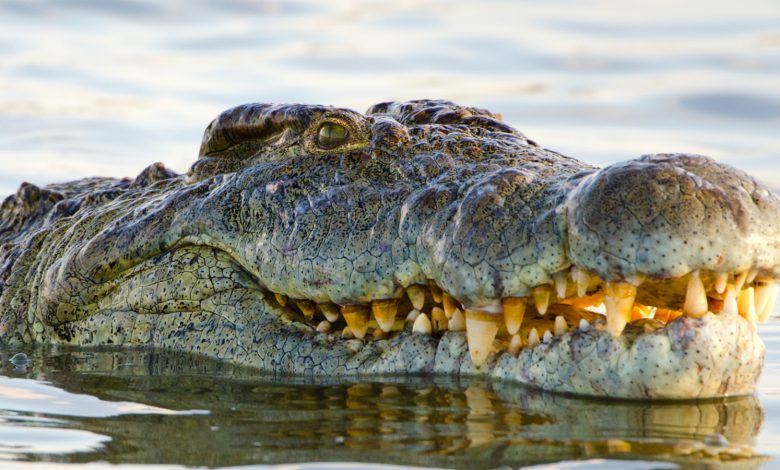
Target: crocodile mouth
column 576, row 300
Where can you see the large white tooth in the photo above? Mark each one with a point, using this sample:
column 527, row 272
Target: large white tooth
column 422, row 325
column 356, row 317
column 324, row 326
column 747, row 304
column 542, row 298
column 533, row 338
column 547, row 337
column 730, row 300
column 384, row 311
column 330, row 311
column 514, row 311
column 618, row 301
column 720, row 282
column 416, row 296
column 457, row 322
column 561, row 283
column 515, row 345
column 449, row 304
column 766, row 296
column 696, row 297
column 751, row 276
column 481, row 330
column 584, row 325
column 739, row 280
column 560, row 325
column 582, row 279
column 770, row 305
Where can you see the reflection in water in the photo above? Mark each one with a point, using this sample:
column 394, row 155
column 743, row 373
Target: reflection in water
column 448, row 423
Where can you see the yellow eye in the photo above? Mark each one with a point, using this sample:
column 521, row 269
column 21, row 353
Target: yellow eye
column 332, row 135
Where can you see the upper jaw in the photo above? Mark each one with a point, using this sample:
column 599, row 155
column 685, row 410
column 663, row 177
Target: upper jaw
column 588, row 239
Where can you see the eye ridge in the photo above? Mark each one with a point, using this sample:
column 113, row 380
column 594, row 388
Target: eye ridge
column 331, row 135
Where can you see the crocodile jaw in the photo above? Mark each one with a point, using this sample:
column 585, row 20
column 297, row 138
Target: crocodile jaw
column 489, row 256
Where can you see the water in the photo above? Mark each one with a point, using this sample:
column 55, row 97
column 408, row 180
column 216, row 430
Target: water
column 76, row 406
column 105, row 88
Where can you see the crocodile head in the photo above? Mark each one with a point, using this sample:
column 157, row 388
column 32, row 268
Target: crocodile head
column 427, row 237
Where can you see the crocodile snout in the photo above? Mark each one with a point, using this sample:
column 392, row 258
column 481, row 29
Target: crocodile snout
column 665, row 215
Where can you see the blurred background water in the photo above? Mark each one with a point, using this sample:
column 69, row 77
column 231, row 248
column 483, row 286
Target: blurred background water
column 90, row 87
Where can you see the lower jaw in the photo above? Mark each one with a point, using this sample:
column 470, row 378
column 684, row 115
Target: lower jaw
column 716, row 355
column 691, row 358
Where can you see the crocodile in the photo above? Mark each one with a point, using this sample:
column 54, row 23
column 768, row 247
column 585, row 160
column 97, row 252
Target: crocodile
column 422, row 237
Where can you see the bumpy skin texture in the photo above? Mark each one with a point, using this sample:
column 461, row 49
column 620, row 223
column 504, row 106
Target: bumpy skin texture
column 420, row 190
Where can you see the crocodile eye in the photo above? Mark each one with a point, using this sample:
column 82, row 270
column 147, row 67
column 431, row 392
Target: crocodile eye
column 331, row 135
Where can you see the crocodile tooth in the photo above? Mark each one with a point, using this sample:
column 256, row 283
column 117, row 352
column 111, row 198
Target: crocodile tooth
column 739, row 280
column 346, row 333
column 766, row 295
column 356, row 317
column 533, row 338
column 696, row 297
column 582, row 279
column 481, row 330
column 746, row 304
column 307, row 308
column 560, row 325
column 515, row 345
column 584, row 325
column 542, row 298
column 422, row 325
column 730, row 300
column 438, row 319
column 561, row 284
column 547, row 337
column 416, row 296
column 384, row 311
column 720, row 282
column 770, row 305
column 751, row 276
column 324, row 326
column 281, row 299
column 618, row 301
column 330, row 311
column 457, row 322
column 514, row 311
column 412, row 316
column 450, row 304
column 435, row 290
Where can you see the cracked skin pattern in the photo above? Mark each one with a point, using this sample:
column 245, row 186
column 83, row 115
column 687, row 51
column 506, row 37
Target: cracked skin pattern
column 416, row 191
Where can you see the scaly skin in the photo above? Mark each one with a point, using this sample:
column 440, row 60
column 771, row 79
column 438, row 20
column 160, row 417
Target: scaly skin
column 416, row 191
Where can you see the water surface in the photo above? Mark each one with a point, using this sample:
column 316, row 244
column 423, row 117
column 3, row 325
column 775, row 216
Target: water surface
column 105, row 88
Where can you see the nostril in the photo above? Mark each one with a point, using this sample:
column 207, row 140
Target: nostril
column 387, row 132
